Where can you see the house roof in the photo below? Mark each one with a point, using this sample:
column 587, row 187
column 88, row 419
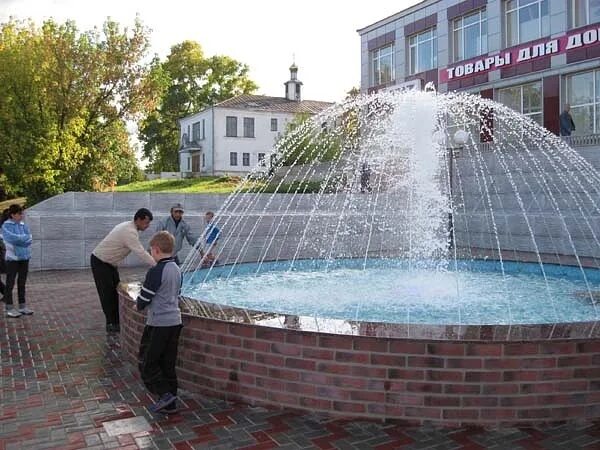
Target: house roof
column 273, row 104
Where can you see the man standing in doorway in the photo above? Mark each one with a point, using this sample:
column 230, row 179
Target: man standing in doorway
column 179, row 228
column 109, row 253
column 567, row 126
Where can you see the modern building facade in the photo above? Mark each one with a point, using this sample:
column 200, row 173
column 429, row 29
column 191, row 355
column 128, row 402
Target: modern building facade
column 235, row 135
column 531, row 55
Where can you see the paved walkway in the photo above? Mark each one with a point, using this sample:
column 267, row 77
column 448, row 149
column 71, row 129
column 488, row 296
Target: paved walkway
column 64, row 386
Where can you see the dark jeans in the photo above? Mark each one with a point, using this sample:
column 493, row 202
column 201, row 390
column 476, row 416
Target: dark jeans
column 107, row 279
column 157, row 358
column 16, row 270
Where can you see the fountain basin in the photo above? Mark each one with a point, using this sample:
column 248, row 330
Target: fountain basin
column 497, row 375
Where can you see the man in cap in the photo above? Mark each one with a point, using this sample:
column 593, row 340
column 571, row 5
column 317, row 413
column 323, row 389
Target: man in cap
column 178, row 227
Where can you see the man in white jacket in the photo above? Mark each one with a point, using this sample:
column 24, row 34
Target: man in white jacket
column 109, row 253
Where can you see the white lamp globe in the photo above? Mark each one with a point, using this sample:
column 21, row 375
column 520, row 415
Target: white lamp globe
column 461, row 137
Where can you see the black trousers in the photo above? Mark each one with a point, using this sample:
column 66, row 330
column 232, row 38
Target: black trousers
column 157, row 358
column 107, row 280
column 16, row 270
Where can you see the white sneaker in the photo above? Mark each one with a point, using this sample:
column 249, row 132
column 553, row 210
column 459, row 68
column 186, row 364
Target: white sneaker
column 13, row 313
column 25, row 311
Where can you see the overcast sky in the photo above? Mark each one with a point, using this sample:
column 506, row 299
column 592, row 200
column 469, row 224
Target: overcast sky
column 264, row 34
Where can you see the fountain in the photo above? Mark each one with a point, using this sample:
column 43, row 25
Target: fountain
column 409, row 256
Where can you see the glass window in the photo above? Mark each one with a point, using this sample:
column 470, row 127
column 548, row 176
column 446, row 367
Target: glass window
column 273, row 124
column 526, row 20
column 470, row 35
column 232, row 158
column 525, row 99
column 382, row 63
column 231, row 126
column 584, row 12
column 203, row 135
column 249, row 127
column 423, row 51
column 245, row 159
column 583, row 95
column 196, row 131
column 203, row 160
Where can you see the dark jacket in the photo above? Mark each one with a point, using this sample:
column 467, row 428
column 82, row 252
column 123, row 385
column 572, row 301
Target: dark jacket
column 566, row 124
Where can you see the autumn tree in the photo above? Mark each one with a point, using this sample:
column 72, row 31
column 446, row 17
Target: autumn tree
column 65, row 99
column 189, row 82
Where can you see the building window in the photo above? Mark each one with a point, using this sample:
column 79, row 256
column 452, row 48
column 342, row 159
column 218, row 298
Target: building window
column 382, row 63
column 189, row 164
column 583, row 95
column 245, row 159
column 525, row 99
column 470, row 35
column 261, row 159
column 273, row 124
column 231, row 126
column 526, row 20
column 232, row 158
column 423, row 51
column 203, row 135
column 584, row 12
column 196, row 131
column 249, row 127
column 203, row 160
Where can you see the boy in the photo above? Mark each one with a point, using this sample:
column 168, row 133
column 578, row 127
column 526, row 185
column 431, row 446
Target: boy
column 158, row 347
column 210, row 237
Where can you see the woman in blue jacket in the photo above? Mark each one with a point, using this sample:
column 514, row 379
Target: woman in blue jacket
column 17, row 239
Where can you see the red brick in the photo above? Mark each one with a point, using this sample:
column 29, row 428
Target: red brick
column 441, row 401
column 464, row 363
column 406, row 374
column 256, row 369
column 559, row 374
column 446, row 349
column 426, row 413
column 404, row 399
column 523, row 401
column 243, row 355
column 349, row 382
column 573, row 385
column 270, row 334
column 407, row 347
column 537, row 388
column 520, row 349
column 538, row 363
column 413, row 386
column 284, row 374
column 425, row 361
column 301, row 388
column 300, row 338
column 588, row 347
column 588, row 372
column 444, row 375
column 529, row 413
column 336, row 342
column 271, row 360
column 502, row 363
column 302, row 364
column 573, row 361
column 352, row 357
column 316, row 378
column 260, row 346
column 500, row 389
column 286, row 349
column 229, row 341
column 462, row 389
column 247, row 331
column 483, row 377
column 333, row 393
column 367, row 396
column 369, row 372
column 371, row 344
column 270, row 384
column 460, row 414
column 216, row 326
column 334, row 368
column 484, row 349
column 553, row 348
column 497, row 414
column 283, row 398
column 388, row 360
column 520, row 375
column 317, row 353
column 479, row 401
column 356, row 408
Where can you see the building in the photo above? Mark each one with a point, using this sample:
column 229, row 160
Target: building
column 235, row 135
column 532, row 55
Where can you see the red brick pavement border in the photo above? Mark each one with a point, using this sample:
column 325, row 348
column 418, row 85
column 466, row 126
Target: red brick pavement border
column 62, row 379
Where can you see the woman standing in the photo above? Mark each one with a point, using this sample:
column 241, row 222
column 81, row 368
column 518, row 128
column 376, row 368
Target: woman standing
column 17, row 239
column 3, row 217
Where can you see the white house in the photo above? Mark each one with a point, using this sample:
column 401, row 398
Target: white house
column 233, row 136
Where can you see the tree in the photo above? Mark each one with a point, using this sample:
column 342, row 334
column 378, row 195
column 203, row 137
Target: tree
column 65, row 98
column 189, row 82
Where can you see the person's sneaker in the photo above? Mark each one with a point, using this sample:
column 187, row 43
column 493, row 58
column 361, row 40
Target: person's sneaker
column 113, row 328
column 25, row 310
column 13, row 313
column 170, row 409
column 164, row 401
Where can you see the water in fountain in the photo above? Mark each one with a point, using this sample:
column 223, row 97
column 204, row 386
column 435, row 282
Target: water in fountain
column 412, row 206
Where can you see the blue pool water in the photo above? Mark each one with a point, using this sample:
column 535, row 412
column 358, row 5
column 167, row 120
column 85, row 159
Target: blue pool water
column 472, row 292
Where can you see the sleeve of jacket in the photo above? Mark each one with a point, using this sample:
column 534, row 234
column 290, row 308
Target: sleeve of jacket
column 21, row 240
column 189, row 235
column 149, row 288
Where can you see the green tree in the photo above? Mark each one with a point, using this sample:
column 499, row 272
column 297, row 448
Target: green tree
column 189, row 82
column 65, row 99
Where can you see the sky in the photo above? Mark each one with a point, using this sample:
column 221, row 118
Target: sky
column 268, row 35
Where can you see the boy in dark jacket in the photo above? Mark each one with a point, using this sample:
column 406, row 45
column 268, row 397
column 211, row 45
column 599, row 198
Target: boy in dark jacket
column 158, row 347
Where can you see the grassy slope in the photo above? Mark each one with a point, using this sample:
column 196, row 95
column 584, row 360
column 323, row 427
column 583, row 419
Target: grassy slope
column 208, row 185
